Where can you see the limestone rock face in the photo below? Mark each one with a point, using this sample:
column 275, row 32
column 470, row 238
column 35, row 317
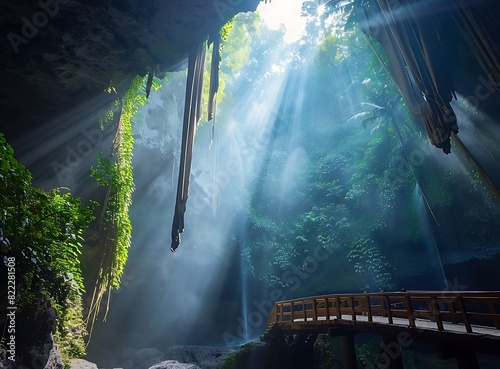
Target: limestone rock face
column 205, row 357
column 173, row 364
column 56, row 53
column 46, row 356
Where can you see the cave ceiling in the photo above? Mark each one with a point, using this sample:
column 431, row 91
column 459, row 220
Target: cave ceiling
column 57, row 54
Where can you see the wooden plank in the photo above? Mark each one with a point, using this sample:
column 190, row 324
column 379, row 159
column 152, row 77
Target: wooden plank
column 409, row 310
column 492, row 310
column 436, row 313
column 452, row 313
column 339, row 313
column 484, row 316
column 353, row 312
column 327, row 309
column 389, row 311
column 481, row 300
column 408, row 305
column 465, row 319
column 369, row 309
column 315, row 315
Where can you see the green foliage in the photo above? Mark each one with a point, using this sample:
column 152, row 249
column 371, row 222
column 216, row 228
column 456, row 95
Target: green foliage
column 322, row 357
column 157, row 84
column 43, row 232
column 122, row 183
column 110, row 114
column 44, row 229
column 350, row 194
column 416, row 360
column 229, row 362
column 71, row 328
column 226, row 30
column 118, row 176
column 104, row 172
column 115, row 227
column 237, row 46
column 367, row 352
column 371, row 265
column 355, row 195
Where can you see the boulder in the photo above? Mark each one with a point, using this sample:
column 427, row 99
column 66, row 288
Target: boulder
column 146, row 357
column 82, row 364
column 174, row 364
column 206, row 357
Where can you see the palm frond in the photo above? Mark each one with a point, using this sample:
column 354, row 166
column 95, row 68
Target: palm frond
column 359, row 115
column 372, row 105
column 375, row 128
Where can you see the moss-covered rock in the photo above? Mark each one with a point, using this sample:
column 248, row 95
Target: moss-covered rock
column 295, row 352
column 260, row 355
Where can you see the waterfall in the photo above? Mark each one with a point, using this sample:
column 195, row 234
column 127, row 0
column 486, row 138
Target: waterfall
column 429, row 241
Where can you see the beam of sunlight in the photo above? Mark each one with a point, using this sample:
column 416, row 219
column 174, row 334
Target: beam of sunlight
column 482, row 130
column 431, row 248
column 59, row 152
column 284, row 13
column 291, row 138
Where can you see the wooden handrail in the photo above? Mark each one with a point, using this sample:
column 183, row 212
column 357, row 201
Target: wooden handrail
column 470, row 308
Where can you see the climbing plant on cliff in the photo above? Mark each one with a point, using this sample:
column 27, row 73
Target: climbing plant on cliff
column 40, row 235
column 115, row 227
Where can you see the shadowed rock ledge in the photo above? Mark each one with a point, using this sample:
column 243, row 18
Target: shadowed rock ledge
column 56, row 54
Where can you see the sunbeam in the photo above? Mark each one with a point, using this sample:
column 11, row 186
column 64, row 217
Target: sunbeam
column 284, row 13
column 314, row 174
column 291, row 107
column 306, row 150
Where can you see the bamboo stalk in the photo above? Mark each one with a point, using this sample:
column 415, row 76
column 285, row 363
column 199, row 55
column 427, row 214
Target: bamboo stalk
column 476, row 165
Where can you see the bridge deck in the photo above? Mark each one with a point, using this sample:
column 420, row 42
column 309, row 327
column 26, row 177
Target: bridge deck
column 466, row 319
column 419, row 324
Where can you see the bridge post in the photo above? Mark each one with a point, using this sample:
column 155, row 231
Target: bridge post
column 467, row 361
column 348, row 351
column 392, row 353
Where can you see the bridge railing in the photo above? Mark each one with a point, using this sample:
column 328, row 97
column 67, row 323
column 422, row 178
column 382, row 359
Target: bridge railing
column 458, row 307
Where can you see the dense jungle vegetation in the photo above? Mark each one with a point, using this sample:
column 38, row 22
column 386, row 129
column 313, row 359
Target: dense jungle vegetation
column 333, row 160
column 335, row 186
column 42, row 233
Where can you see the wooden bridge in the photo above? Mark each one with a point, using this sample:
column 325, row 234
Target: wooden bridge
column 459, row 323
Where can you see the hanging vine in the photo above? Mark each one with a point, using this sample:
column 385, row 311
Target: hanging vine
column 115, row 228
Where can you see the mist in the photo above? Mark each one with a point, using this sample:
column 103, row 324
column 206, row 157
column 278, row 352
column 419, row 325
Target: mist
column 314, row 178
column 287, row 135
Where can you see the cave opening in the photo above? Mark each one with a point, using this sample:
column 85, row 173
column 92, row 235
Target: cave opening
column 351, row 146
